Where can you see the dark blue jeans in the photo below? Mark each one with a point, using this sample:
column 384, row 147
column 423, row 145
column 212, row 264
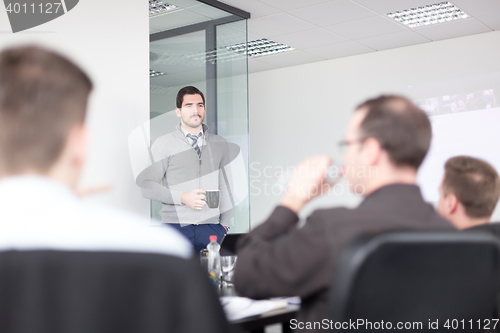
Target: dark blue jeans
column 199, row 235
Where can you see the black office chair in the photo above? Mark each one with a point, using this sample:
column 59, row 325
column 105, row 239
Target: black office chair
column 417, row 277
column 228, row 244
column 105, row 292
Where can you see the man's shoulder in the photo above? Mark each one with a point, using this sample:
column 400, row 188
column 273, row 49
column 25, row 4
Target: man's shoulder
column 359, row 219
column 168, row 144
column 492, row 228
column 71, row 225
column 336, row 215
column 216, row 138
column 167, row 137
column 135, row 233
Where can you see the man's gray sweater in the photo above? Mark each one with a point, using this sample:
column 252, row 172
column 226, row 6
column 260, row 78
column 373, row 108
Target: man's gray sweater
column 177, row 169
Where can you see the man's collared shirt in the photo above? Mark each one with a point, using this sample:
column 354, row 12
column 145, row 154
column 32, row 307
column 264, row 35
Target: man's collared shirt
column 201, row 139
column 39, row 213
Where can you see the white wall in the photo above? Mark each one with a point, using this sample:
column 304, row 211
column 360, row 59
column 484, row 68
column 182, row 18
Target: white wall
column 110, row 41
column 299, row 111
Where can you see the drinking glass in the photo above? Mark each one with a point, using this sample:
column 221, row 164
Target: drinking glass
column 227, row 265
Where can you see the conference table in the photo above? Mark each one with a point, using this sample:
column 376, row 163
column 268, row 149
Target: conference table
column 256, row 324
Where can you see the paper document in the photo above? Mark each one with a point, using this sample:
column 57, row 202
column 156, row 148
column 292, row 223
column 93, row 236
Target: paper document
column 241, row 307
column 290, row 300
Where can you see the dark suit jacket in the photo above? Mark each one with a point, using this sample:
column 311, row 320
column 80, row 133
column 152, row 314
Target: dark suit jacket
column 277, row 259
column 490, row 228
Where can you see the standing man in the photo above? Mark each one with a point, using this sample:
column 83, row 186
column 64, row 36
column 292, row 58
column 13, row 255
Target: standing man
column 469, row 193
column 190, row 169
column 386, row 141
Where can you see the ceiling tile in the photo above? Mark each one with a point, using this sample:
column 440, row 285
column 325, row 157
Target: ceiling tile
column 278, row 24
column 290, row 58
column 332, row 13
column 251, row 37
column 254, row 7
column 208, row 11
column 492, row 21
column 339, row 50
column 478, row 7
column 258, row 66
column 309, row 38
column 452, row 29
column 176, row 19
column 286, row 5
column 388, row 6
column 372, row 26
column 393, row 40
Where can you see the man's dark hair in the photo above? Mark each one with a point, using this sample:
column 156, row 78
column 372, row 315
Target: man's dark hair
column 474, row 182
column 43, row 96
column 401, row 128
column 189, row 90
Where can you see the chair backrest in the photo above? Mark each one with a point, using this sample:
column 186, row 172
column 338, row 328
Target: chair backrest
column 228, row 244
column 77, row 292
column 417, row 277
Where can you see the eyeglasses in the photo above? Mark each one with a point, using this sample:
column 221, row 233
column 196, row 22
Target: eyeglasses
column 346, row 143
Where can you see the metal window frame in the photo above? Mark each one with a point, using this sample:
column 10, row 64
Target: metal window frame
column 227, row 8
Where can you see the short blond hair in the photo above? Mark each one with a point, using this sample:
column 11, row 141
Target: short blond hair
column 43, row 95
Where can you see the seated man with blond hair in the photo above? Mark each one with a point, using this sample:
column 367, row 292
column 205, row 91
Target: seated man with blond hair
column 469, row 193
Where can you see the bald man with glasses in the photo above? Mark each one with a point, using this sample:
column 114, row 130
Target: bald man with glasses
column 386, row 141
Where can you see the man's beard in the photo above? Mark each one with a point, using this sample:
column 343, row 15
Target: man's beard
column 193, row 125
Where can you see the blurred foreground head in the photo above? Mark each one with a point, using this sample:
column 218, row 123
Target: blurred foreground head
column 386, row 141
column 43, row 102
column 469, row 191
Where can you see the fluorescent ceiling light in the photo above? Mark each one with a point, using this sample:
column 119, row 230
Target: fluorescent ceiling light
column 259, row 48
column 253, row 49
column 430, row 14
column 153, row 73
column 159, row 7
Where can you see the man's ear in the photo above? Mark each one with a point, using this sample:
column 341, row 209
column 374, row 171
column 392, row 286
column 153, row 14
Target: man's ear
column 178, row 112
column 371, row 151
column 77, row 144
column 451, row 203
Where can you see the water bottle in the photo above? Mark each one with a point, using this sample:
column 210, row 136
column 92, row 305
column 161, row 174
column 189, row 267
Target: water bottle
column 214, row 269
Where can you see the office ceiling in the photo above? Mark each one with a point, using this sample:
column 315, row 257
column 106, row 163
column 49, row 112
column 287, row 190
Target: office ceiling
column 192, row 12
column 329, row 29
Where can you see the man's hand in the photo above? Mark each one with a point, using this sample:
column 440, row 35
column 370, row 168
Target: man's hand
column 226, row 229
column 307, row 182
column 194, row 199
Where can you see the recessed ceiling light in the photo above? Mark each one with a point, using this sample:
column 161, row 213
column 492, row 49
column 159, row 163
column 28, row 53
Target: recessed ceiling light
column 253, row 49
column 259, row 48
column 153, row 73
column 430, row 14
column 159, row 7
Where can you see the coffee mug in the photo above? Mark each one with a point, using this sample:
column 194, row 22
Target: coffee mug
column 212, row 198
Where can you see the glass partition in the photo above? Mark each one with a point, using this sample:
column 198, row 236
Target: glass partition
column 232, row 110
column 194, row 44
